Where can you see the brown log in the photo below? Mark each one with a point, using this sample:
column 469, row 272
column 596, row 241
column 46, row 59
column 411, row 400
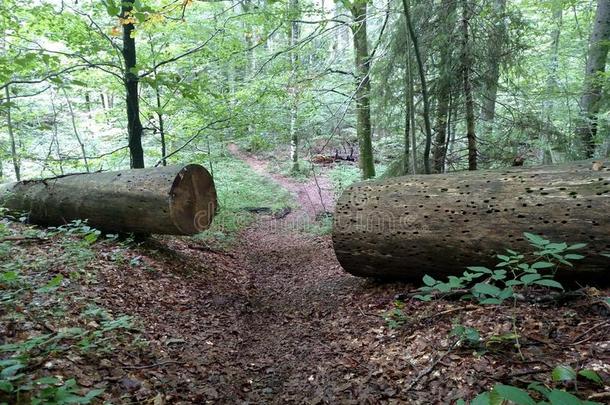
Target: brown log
column 178, row 200
column 406, row 227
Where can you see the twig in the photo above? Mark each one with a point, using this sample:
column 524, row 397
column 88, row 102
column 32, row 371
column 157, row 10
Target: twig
column 23, row 239
column 577, row 341
column 432, row 366
column 163, row 363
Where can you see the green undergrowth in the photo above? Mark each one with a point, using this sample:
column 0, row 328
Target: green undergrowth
column 517, row 276
column 343, row 175
column 240, row 190
column 48, row 327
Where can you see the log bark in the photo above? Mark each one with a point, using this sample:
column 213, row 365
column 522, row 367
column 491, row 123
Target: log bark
column 409, row 226
column 178, row 200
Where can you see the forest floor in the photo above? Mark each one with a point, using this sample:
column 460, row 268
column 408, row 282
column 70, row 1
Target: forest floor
column 274, row 319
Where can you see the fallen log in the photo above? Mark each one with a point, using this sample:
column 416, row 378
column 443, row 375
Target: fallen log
column 179, row 200
column 406, row 227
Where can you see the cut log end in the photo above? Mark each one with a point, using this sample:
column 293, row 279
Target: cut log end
column 192, row 199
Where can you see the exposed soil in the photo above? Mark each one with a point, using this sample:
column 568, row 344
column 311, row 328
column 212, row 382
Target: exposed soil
column 276, row 320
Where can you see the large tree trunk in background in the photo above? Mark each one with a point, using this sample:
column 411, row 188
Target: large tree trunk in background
column 11, row 135
column 424, row 86
column 179, row 200
column 363, row 88
column 134, row 125
column 409, row 226
column 447, row 23
column 599, row 43
column 495, row 43
column 468, row 98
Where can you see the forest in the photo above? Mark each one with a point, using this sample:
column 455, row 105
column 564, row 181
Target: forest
column 304, row 201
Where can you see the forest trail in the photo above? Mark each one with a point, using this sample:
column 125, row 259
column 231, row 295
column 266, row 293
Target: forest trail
column 273, row 320
column 314, row 196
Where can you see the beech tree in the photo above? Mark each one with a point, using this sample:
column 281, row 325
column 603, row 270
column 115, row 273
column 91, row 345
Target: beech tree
column 599, row 43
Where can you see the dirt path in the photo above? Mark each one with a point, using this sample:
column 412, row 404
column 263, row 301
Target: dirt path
column 276, row 320
column 313, row 196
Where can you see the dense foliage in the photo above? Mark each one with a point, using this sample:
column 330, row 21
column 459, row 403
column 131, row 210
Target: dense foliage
column 457, row 84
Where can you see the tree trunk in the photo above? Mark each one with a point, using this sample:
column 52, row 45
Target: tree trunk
column 294, row 60
column 11, row 135
column 552, row 85
column 469, row 101
column 179, row 200
column 424, row 86
column 447, row 23
column 75, row 129
column 409, row 226
column 134, row 125
column 599, row 43
column 495, row 42
column 363, row 88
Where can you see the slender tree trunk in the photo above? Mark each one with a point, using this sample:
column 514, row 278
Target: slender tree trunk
column 363, row 88
column 55, row 140
column 447, row 23
column 599, row 43
column 407, row 136
column 552, row 84
column 412, row 113
column 424, row 86
column 294, row 60
column 134, row 125
column 469, row 102
column 88, row 104
column 161, row 124
column 495, row 42
column 76, row 134
column 11, row 135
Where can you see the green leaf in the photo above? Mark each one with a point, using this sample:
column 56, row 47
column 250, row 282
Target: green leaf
column 429, row 281
column 503, row 258
column 481, row 399
column 529, row 278
column 52, row 284
column 6, row 386
column 10, row 371
column 514, row 394
column 591, row 375
column 573, row 256
column 563, row 373
column 491, row 301
column 560, row 247
column 542, row 265
column 577, row 246
column 549, row 283
column 536, row 386
column 111, row 8
column 479, row 269
column 423, row 297
column 485, row 288
column 535, row 239
column 558, row 397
